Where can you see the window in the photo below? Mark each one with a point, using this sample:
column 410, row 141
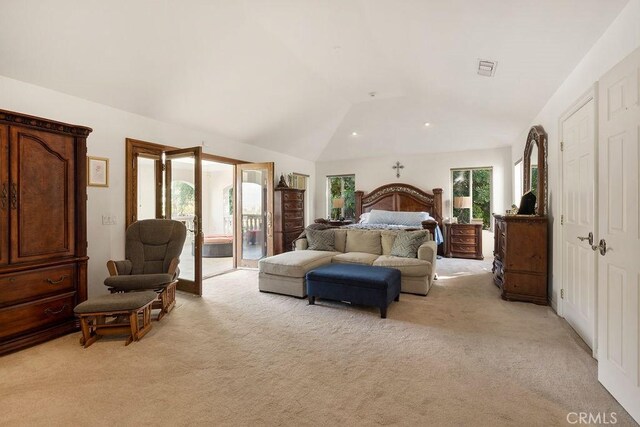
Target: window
column 341, row 196
column 517, row 182
column 298, row 180
column 472, row 195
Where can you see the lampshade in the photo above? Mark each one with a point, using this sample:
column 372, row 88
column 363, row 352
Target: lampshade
column 338, row 203
column 462, row 202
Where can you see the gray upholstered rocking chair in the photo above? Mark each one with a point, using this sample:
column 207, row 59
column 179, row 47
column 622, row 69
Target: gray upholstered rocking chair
column 152, row 251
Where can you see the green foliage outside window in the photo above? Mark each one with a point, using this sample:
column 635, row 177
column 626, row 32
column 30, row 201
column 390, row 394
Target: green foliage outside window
column 481, row 197
column 182, row 199
column 230, row 200
column 461, row 182
column 342, row 187
column 477, row 184
column 534, row 180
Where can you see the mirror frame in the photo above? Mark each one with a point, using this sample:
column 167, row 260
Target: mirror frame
column 538, row 137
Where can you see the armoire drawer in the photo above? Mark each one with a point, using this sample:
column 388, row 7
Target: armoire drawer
column 289, row 206
column 29, row 285
column 21, row 318
column 294, row 224
column 293, row 196
column 293, row 215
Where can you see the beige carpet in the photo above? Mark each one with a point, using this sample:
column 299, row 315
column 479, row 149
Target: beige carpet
column 460, row 356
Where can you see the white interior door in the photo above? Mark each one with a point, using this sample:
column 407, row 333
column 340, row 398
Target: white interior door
column 578, row 195
column 619, row 228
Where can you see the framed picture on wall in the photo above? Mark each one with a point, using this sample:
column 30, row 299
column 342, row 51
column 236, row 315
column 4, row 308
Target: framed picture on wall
column 97, row 171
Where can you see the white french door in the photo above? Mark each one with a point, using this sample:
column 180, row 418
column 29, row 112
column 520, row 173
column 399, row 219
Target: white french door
column 578, row 197
column 619, row 231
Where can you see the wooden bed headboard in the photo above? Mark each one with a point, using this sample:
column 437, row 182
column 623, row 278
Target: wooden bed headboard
column 401, row 197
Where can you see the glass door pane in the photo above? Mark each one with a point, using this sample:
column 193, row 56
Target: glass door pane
column 254, row 217
column 217, row 218
column 183, row 191
column 146, row 188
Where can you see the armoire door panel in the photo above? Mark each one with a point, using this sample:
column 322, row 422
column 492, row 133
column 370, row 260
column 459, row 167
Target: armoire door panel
column 41, row 195
column 4, row 195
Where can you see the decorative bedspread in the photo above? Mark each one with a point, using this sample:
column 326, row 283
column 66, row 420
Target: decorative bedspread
column 438, row 237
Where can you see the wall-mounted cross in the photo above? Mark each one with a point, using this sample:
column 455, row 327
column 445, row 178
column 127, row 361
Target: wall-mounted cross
column 397, row 167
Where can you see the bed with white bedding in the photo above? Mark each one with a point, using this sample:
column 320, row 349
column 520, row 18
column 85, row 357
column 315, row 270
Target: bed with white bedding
column 367, row 226
column 401, row 206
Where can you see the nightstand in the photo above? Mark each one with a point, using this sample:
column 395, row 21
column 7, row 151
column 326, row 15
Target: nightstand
column 463, row 241
column 333, row 222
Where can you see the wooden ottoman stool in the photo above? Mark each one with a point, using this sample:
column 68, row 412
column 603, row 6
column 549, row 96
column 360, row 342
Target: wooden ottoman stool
column 355, row 283
column 127, row 309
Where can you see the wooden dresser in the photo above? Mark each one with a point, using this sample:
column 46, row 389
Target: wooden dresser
column 520, row 257
column 288, row 217
column 463, row 241
column 43, row 236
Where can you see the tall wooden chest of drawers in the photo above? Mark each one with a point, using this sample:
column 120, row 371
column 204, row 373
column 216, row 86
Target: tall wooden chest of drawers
column 520, row 257
column 463, row 241
column 288, row 218
column 43, row 232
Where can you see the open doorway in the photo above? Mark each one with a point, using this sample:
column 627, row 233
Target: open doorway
column 226, row 205
column 217, row 214
column 217, row 218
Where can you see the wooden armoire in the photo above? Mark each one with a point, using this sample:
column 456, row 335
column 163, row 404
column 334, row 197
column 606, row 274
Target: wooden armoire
column 521, row 254
column 288, row 218
column 43, row 228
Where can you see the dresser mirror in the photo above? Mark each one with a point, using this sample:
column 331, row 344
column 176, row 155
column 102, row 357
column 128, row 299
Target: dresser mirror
column 534, row 171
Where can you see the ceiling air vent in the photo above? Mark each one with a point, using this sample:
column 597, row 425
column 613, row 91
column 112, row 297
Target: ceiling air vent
column 487, row 68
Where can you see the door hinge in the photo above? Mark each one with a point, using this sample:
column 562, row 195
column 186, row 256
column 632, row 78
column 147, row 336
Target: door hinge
column 561, row 293
column 561, row 219
column 561, row 145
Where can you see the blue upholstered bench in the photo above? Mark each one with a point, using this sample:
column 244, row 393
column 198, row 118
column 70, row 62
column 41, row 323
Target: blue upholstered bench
column 358, row 284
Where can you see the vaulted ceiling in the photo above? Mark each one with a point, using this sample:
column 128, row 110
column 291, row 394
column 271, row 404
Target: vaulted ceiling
column 297, row 76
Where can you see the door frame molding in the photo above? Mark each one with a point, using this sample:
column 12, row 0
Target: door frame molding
column 238, row 235
column 582, row 100
column 137, row 147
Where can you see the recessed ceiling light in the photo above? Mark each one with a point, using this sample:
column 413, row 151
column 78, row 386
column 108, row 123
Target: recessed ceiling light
column 354, row 133
column 427, row 124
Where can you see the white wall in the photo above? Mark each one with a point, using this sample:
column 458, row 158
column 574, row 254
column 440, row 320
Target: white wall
column 425, row 171
column 110, row 128
column 618, row 41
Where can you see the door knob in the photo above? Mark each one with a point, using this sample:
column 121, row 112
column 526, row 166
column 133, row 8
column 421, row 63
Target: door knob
column 602, row 246
column 589, row 238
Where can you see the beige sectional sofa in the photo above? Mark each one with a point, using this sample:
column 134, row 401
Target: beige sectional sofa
column 285, row 273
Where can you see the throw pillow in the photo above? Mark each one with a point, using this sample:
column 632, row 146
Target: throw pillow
column 320, row 240
column 407, row 243
column 363, row 241
column 387, row 237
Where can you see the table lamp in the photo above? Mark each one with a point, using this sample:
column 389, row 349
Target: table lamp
column 462, row 202
column 338, row 204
